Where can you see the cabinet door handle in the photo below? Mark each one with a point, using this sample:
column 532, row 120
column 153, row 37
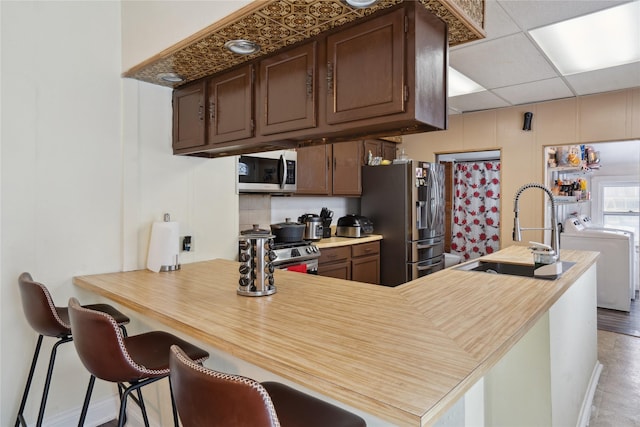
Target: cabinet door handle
column 200, row 115
column 212, row 110
column 329, row 77
column 309, row 83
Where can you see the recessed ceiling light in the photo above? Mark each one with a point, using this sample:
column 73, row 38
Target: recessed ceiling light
column 591, row 42
column 360, row 4
column 171, row 77
column 459, row 84
column 242, row 47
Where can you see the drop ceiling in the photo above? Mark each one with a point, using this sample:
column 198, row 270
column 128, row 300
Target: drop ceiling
column 514, row 70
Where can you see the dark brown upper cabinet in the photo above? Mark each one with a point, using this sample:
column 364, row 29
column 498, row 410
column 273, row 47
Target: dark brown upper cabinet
column 189, row 116
column 287, row 88
column 383, row 76
column 366, row 69
column 230, row 106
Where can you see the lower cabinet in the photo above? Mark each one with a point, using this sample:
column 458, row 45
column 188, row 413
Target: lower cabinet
column 359, row 262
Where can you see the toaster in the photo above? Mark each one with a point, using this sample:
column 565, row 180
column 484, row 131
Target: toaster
column 354, row 226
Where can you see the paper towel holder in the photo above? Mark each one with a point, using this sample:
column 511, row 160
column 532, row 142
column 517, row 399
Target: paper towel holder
column 163, row 246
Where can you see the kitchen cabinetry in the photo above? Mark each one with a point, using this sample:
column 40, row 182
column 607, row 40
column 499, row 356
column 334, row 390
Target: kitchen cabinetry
column 288, row 90
column 189, row 116
column 365, row 69
column 335, row 262
column 230, row 106
column 330, row 169
column 314, row 170
column 214, row 111
column 383, row 76
column 378, row 148
column 359, row 262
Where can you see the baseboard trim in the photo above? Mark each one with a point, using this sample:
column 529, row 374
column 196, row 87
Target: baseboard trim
column 587, row 403
column 100, row 412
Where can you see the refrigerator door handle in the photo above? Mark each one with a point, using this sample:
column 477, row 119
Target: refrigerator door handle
column 433, row 197
column 427, row 267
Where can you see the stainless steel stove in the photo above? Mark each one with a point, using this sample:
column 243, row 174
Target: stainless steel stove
column 296, row 256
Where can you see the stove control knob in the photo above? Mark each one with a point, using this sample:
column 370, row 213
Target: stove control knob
column 315, row 249
column 308, row 250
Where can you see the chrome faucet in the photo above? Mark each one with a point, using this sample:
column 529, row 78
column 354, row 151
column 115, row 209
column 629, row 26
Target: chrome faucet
column 517, row 235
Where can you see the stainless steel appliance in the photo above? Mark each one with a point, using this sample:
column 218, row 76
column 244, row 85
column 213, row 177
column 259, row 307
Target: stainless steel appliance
column 405, row 201
column 269, row 172
column 296, row 256
column 354, row 226
column 313, row 226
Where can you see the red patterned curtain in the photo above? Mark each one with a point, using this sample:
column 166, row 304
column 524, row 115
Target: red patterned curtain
column 476, row 209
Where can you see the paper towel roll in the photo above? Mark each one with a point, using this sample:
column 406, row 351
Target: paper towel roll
column 164, row 246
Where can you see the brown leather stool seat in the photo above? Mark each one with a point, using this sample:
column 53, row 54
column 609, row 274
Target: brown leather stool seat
column 208, row 398
column 131, row 362
column 49, row 321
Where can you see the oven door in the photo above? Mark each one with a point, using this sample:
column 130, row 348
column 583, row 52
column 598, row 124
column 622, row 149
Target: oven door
column 307, row 266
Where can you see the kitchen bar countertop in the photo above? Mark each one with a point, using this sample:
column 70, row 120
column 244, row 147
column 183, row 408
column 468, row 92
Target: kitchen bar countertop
column 335, row 241
column 404, row 354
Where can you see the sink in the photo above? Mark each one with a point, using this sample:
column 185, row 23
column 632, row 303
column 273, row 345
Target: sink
column 511, row 269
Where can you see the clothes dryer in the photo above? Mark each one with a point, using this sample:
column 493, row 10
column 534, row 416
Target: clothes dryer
column 635, row 251
column 614, row 265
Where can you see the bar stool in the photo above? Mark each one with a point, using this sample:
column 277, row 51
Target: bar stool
column 49, row 321
column 136, row 360
column 205, row 397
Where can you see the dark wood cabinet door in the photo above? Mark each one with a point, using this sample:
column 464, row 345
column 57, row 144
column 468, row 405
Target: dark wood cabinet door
column 366, row 269
column 378, row 147
column 230, row 106
column 347, row 174
column 389, row 150
column 314, row 170
column 366, row 70
column 189, row 116
column 338, row 270
column 288, row 90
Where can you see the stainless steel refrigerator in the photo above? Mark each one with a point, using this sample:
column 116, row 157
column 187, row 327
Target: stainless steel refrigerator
column 405, row 201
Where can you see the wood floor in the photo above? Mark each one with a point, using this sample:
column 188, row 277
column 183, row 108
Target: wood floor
column 619, row 321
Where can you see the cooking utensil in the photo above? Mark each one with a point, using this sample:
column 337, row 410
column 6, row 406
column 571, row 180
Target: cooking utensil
column 288, row 231
column 313, row 226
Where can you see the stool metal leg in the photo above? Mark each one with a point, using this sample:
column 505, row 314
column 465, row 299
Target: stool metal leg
column 47, row 382
column 87, row 398
column 20, row 418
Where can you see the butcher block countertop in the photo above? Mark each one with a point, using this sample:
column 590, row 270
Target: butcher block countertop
column 404, row 354
column 335, row 241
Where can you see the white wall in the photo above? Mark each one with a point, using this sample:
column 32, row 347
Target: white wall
column 86, row 167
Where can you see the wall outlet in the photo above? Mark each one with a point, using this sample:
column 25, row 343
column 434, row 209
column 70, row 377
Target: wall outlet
column 187, row 243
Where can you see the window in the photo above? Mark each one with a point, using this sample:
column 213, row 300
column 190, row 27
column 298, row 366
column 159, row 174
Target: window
column 621, row 205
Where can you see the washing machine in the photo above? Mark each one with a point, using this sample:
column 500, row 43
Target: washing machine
column 614, row 265
column 635, row 273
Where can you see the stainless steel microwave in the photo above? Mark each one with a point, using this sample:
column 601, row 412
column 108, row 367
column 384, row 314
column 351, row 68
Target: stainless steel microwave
column 269, row 172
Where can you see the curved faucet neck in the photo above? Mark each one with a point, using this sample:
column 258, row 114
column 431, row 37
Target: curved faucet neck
column 517, row 235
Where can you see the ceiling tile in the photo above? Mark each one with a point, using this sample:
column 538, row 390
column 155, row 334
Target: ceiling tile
column 476, row 101
column 530, row 14
column 541, row 90
column 502, row 62
column 608, row 79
